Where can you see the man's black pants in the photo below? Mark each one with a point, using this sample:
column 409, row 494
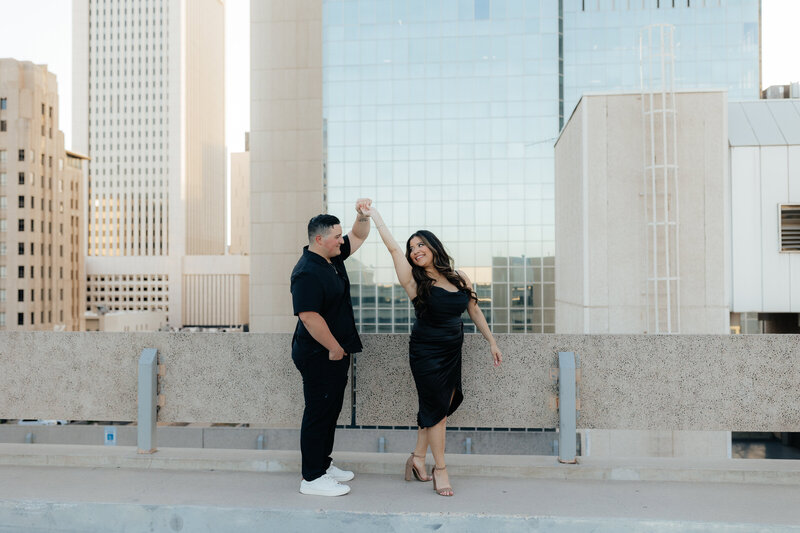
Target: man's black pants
column 324, row 383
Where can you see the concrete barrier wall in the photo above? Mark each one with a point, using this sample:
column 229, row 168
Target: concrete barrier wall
column 515, row 394
column 210, row 377
column 86, row 376
column 691, row 382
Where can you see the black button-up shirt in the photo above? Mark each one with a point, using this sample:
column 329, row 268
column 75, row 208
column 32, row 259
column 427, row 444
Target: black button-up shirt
column 323, row 288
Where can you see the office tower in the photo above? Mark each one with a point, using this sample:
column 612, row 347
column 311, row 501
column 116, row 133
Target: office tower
column 42, row 282
column 716, row 45
column 149, row 110
column 446, row 114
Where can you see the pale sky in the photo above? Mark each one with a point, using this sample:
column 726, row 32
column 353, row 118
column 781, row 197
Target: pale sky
column 40, row 31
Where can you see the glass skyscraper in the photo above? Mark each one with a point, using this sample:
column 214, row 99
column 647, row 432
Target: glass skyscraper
column 446, row 112
column 716, row 45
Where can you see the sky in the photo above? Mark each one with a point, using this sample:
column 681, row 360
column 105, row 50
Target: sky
column 41, row 31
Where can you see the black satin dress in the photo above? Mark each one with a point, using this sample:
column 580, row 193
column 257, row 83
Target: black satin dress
column 435, row 354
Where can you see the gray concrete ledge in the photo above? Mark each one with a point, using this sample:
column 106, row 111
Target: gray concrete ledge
column 750, row 471
column 87, row 500
column 38, row 517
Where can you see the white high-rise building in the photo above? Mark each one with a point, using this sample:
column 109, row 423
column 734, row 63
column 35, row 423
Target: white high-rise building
column 149, row 93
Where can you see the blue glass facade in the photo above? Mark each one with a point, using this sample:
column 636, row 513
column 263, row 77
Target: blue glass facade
column 445, row 113
column 716, row 45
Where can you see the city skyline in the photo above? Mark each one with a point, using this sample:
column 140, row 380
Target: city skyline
column 53, row 18
column 494, row 97
column 446, row 120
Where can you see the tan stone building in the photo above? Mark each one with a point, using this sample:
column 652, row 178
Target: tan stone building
column 240, row 201
column 124, row 321
column 42, row 276
column 286, row 151
column 610, row 250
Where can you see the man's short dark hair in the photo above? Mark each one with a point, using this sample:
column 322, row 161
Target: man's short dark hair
column 320, row 225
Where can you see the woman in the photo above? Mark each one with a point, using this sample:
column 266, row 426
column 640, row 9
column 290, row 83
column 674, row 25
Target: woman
column 440, row 295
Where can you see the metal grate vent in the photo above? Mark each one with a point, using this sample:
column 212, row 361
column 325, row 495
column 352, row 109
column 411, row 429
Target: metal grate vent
column 790, row 228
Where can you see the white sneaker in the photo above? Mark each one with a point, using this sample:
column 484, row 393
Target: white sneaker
column 324, row 485
column 338, row 474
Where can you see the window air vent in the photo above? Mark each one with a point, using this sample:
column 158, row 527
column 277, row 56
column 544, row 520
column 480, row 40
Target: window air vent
column 790, row 228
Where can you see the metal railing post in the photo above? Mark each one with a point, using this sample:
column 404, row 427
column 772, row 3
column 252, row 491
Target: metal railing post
column 567, row 408
column 148, row 400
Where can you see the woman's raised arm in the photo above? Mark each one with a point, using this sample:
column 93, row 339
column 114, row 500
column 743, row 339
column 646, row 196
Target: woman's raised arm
column 401, row 266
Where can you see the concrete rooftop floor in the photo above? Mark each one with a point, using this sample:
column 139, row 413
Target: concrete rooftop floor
column 112, row 495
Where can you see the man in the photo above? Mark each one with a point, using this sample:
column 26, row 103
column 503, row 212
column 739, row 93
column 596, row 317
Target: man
column 324, row 338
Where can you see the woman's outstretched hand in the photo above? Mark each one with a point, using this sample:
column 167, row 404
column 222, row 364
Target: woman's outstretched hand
column 496, row 354
column 372, row 212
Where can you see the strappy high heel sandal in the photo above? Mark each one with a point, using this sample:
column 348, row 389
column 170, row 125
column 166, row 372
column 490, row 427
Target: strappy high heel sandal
column 411, row 468
column 441, row 491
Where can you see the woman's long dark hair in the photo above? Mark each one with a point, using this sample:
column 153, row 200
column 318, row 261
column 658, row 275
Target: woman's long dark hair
column 441, row 261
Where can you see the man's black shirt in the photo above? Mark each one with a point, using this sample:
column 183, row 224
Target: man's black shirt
column 324, row 288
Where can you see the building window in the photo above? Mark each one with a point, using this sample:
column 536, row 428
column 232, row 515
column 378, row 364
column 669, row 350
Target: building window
column 2, row 295
column 21, row 248
column 21, row 201
column 2, row 179
column 2, row 319
column 481, row 9
column 3, row 225
column 3, row 126
column 3, row 103
column 3, row 156
column 21, row 155
column 3, row 272
column 21, row 224
column 21, row 178
column 2, row 249
column 3, row 202
column 20, row 319
column 790, row 228
column 21, row 272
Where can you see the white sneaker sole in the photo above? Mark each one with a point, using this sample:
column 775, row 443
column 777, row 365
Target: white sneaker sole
column 317, row 492
column 343, row 478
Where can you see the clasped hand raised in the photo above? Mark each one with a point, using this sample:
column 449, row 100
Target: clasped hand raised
column 363, row 206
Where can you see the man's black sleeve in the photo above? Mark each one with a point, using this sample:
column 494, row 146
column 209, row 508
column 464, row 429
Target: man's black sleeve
column 344, row 249
column 307, row 293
